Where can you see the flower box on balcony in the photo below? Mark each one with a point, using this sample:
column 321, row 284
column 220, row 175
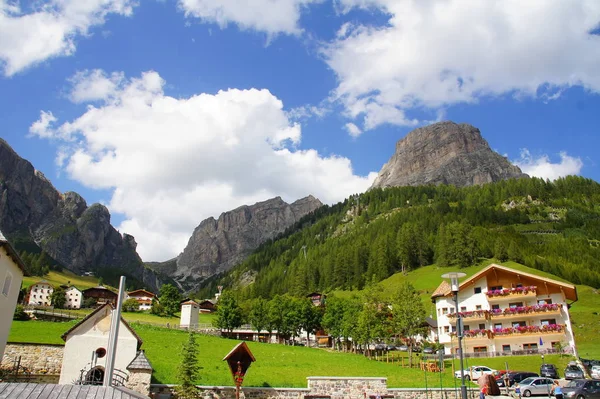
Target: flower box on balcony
column 518, row 310
column 470, row 314
column 545, row 329
column 512, row 291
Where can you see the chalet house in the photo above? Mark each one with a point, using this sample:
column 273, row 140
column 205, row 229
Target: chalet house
column 85, row 353
column 207, row 306
column 506, row 311
column 143, row 297
column 316, row 298
column 101, row 295
column 40, row 293
column 12, row 270
column 74, row 298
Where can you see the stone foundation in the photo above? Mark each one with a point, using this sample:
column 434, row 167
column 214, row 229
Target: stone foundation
column 37, row 358
column 324, row 388
column 139, row 381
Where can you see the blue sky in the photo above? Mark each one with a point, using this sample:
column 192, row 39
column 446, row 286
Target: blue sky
column 171, row 111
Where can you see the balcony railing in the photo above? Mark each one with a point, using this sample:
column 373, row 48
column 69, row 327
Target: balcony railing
column 471, row 315
column 524, row 310
column 494, row 295
column 513, row 331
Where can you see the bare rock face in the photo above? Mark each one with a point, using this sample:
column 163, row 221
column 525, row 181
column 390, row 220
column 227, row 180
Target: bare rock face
column 218, row 245
column 78, row 237
column 445, row 153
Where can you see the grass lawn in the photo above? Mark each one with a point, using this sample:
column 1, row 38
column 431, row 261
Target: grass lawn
column 276, row 365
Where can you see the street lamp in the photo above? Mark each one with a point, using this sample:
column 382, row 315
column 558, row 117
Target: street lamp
column 453, row 277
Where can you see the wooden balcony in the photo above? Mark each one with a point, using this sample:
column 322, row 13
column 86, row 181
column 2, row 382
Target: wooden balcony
column 474, row 315
column 511, row 294
column 526, row 311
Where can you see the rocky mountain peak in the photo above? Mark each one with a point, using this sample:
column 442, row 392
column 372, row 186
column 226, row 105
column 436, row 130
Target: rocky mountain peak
column 445, row 153
column 216, row 245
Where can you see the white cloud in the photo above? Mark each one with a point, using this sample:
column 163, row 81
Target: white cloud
column 269, row 16
column 94, row 85
column 542, row 166
column 432, row 54
column 352, row 129
column 171, row 162
column 50, row 29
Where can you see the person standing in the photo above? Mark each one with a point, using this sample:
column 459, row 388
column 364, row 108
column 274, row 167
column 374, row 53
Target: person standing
column 557, row 390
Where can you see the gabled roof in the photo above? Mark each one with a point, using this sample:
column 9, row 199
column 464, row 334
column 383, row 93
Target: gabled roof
column 140, row 362
column 12, row 253
column 41, row 282
column 189, row 302
column 569, row 290
column 97, row 310
column 442, row 289
column 142, row 292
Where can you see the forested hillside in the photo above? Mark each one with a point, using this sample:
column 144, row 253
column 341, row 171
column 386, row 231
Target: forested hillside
column 550, row 226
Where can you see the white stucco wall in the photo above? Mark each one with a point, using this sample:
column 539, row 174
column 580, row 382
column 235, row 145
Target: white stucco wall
column 74, row 298
column 90, row 336
column 189, row 315
column 39, row 294
column 8, row 270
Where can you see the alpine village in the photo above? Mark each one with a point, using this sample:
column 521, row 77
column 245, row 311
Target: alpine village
column 454, row 266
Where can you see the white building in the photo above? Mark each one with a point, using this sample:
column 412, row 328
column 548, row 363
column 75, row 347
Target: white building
column 86, row 343
column 74, row 298
column 12, row 270
column 506, row 311
column 143, row 297
column 190, row 311
column 39, row 293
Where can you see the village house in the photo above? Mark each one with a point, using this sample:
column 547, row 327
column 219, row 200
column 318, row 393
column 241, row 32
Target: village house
column 101, row 295
column 12, row 270
column 207, row 306
column 143, row 297
column 40, row 293
column 506, row 311
column 85, row 353
column 74, row 298
column 316, row 298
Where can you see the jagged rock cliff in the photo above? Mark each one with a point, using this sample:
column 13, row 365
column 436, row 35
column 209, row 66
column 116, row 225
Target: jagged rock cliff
column 218, row 245
column 78, row 237
column 445, row 153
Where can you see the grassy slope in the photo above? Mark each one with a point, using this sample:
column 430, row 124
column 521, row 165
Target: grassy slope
column 66, row 277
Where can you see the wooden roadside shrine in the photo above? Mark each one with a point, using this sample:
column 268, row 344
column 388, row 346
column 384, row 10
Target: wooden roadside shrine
column 239, row 360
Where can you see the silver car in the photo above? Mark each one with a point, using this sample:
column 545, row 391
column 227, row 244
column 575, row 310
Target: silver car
column 536, row 386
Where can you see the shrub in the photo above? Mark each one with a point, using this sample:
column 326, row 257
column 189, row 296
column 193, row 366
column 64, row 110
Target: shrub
column 130, row 305
column 20, row 314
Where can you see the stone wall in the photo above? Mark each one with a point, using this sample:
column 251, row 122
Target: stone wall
column 324, row 388
column 37, row 358
column 139, row 381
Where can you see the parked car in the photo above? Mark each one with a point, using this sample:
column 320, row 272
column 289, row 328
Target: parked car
column 548, row 370
column 514, row 377
column 429, row 350
column 572, row 372
column 595, row 371
column 391, row 347
column 582, row 389
column 536, row 386
column 402, row 348
column 474, row 372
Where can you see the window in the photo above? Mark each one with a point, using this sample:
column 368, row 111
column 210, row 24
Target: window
column 498, row 325
column 496, row 288
column 482, row 326
column 444, row 310
column 35, row 290
column 33, row 296
column 466, row 327
column 7, row 283
column 477, row 307
column 515, row 304
column 519, row 285
column 451, row 310
column 446, row 329
column 547, row 322
column 463, row 308
column 532, row 346
column 494, row 307
column 478, row 290
column 544, row 301
column 505, row 348
column 480, row 349
column 519, row 324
